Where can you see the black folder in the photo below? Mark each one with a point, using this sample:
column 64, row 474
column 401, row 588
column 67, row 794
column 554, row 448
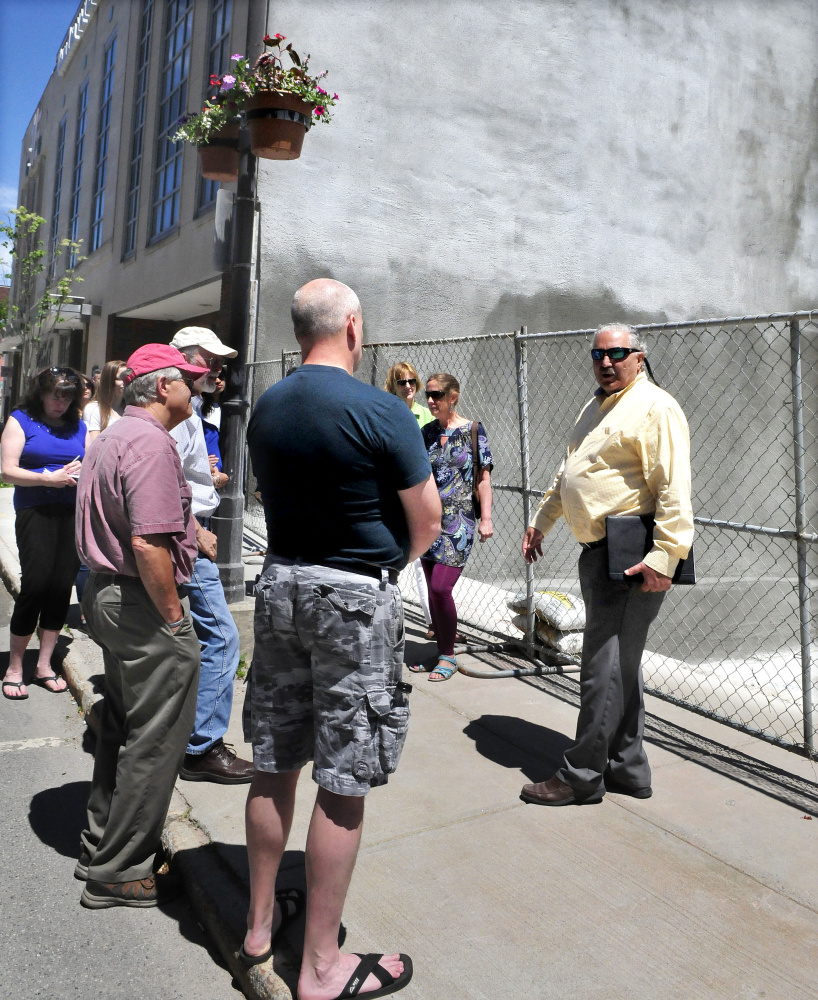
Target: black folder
column 630, row 538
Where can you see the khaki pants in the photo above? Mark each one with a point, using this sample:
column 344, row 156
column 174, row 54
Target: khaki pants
column 151, row 677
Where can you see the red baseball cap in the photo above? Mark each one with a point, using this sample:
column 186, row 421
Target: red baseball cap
column 152, row 357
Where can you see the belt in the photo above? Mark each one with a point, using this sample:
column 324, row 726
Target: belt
column 120, row 578
column 375, row 571
column 594, row 545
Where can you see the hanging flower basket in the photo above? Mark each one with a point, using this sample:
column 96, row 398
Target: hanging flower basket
column 278, row 123
column 219, row 156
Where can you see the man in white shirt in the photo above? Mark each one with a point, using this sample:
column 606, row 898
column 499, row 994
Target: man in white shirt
column 208, row 757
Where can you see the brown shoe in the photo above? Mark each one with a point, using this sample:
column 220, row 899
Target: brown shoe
column 219, row 764
column 553, row 793
column 141, row 892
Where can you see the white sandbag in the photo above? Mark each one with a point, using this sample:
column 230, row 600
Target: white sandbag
column 569, row 643
column 564, row 611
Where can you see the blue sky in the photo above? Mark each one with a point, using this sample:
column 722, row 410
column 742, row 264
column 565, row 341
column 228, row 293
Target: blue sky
column 31, row 32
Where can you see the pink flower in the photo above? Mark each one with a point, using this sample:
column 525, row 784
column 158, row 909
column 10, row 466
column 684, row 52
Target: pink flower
column 335, row 97
column 238, row 55
column 228, row 81
column 319, row 111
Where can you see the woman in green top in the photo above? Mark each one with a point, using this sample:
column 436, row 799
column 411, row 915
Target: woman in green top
column 402, row 380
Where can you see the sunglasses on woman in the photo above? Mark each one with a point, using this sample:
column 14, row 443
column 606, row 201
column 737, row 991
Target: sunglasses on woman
column 614, row 353
column 67, row 375
column 436, row 394
column 407, row 381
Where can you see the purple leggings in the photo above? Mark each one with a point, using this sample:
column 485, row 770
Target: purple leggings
column 440, row 581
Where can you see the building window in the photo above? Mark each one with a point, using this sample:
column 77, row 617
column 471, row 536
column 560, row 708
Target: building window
column 79, row 150
column 98, row 208
column 55, row 204
column 140, row 102
column 217, row 63
column 167, row 181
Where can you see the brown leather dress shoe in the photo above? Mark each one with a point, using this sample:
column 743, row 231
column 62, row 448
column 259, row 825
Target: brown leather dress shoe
column 219, row 764
column 552, row 793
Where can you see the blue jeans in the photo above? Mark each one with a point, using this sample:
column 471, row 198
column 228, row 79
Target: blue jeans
column 219, row 639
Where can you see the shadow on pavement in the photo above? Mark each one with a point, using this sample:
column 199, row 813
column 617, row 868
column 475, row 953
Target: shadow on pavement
column 515, row 743
column 57, row 816
column 291, row 875
column 790, row 789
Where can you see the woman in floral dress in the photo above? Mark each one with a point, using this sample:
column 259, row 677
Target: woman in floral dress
column 449, row 441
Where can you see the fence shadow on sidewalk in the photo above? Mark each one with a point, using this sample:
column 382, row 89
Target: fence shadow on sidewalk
column 788, row 788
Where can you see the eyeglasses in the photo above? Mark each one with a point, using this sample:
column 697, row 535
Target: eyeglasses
column 614, row 353
column 407, row 381
column 214, row 363
column 436, row 394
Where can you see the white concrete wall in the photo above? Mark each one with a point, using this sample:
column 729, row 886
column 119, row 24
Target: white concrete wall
column 549, row 162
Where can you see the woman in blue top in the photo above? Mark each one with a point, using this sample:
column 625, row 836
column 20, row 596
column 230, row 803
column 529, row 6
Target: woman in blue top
column 42, row 448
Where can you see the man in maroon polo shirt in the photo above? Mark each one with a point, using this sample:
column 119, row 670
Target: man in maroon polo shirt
column 136, row 534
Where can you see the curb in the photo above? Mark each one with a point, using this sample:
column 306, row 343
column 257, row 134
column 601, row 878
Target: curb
column 216, row 895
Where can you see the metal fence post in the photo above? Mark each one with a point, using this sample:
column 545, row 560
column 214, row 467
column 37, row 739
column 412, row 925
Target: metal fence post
column 805, row 614
column 283, row 364
column 373, row 372
column 521, row 362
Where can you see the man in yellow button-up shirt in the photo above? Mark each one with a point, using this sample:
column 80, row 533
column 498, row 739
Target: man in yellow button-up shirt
column 629, row 453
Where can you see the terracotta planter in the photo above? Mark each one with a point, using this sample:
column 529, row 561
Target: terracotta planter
column 278, row 123
column 220, row 157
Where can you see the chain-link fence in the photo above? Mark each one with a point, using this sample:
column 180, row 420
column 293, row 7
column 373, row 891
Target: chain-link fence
column 738, row 645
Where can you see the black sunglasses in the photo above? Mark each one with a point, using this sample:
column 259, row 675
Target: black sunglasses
column 436, row 394
column 68, row 375
column 614, row 353
column 407, row 381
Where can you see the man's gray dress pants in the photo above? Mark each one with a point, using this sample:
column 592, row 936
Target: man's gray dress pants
column 151, row 677
column 612, row 710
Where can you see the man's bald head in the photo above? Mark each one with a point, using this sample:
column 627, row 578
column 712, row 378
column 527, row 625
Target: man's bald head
column 321, row 310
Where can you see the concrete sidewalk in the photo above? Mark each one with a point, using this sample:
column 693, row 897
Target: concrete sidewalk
column 707, row 890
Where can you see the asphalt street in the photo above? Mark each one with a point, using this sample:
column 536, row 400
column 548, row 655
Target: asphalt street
column 53, row 947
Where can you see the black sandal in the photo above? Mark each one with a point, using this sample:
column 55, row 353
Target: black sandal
column 14, row 684
column 291, row 902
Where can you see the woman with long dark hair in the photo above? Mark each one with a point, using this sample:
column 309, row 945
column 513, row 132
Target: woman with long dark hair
column 41, row 450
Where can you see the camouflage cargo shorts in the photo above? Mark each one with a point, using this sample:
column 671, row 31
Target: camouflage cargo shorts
column 324, row 684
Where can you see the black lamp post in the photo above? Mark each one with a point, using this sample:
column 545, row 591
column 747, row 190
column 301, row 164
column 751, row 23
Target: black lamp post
column 228, row 521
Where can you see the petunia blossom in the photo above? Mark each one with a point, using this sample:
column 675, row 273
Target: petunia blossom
column 238, row 55
column 228, row 81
